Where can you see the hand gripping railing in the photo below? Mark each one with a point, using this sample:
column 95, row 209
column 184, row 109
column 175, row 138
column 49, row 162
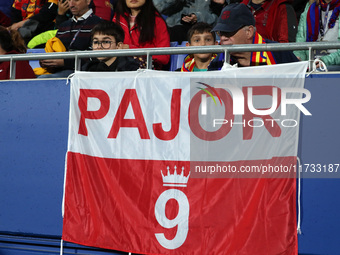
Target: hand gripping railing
column 149, row 52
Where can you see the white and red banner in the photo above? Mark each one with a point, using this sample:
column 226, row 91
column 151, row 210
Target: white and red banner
column 147, row 162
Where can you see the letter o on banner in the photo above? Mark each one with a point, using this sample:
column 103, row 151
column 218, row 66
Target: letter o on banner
column 194, row 122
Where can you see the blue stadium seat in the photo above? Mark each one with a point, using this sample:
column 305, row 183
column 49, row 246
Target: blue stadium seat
column 35, row 63
column 173, row 58
column 176, row 61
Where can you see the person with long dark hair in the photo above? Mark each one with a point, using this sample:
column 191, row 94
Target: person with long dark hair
column 143, row 26
column 12, row 43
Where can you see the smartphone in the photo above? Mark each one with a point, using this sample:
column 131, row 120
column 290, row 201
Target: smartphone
column 182, row 21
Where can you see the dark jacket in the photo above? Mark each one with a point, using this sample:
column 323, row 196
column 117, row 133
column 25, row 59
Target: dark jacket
column 76, row 36
column 120, row 64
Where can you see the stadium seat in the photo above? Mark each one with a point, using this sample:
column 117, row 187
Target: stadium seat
column 35, row 63
column 177, row 60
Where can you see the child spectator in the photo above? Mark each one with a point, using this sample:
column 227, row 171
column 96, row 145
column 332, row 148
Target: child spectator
column 199, row 35
column 12, row 43
column 109, row 36
column 144, row 27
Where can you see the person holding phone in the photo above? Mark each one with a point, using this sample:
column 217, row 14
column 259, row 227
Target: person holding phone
column 64, row 12
column 75, row 34
column 181, row 15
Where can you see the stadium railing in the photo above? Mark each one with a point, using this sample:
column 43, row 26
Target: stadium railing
column 149, row 52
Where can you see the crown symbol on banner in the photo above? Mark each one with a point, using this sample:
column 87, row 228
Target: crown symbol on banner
column 175, row 180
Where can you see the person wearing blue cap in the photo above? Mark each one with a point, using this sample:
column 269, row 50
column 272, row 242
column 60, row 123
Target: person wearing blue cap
column 236, row 25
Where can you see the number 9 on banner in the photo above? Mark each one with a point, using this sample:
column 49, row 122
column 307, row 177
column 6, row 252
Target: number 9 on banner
column 181, row 220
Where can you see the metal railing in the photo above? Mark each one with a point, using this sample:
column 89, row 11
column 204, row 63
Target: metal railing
column 149, row 52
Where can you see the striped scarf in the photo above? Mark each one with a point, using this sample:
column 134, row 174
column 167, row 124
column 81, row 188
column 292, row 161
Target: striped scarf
column 189, row 63
column 313, row 18
column 29, row 8
column 261, row 57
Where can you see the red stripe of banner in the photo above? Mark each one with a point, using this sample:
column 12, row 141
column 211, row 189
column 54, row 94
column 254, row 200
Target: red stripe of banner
column 110, row 203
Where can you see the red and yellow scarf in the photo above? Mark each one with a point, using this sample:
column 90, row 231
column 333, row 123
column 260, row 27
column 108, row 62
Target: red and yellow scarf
column 261, row 57
column 189, row 63
column 29, row 8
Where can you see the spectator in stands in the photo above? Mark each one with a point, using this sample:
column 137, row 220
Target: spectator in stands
column 32, row 17
column 236, row 25
column 108, row 35
column 144, row 27
column 320, row 22
column 101, row 8
column 63, row 13
column 199, row 35
column 183, row 14
column 75, row 34
column 274, row 19
column 12, row 43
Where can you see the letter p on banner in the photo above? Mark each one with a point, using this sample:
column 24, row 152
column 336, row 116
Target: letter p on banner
column 84, row 96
